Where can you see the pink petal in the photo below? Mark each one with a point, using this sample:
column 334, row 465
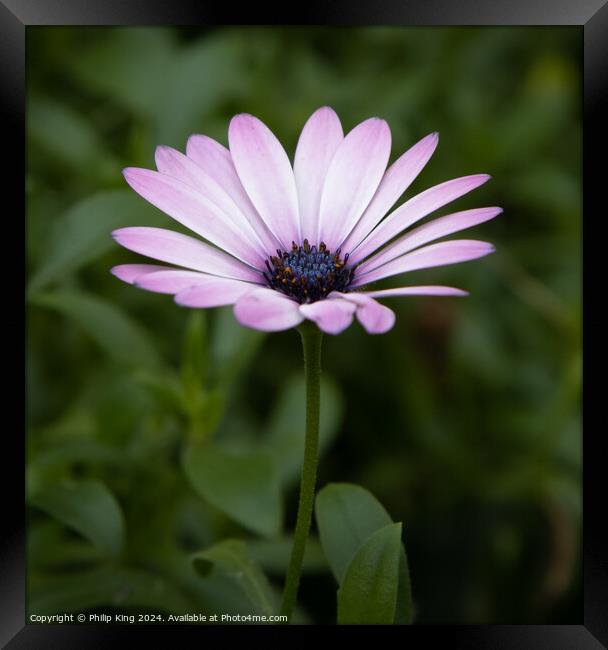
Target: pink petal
column 267, row 310
column 210, row 291
column 164, row 279
column 172, row 281
column 447, row 252
column 416, row 291
column 398, row 177
column 215, row 160
column 375, row 318
column 331, row 315
column 427, row 233
column 182, row 250
column 319, row 140
column 352, row 179
column 130, row 272
column 174, row 163
column 414, row 210
column 266, row 175
column 180, row 201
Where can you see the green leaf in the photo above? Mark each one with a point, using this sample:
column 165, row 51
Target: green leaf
column 122, row 61
column 285, row 430
column 217, row 60
column 115, row 587
column 368, row 594
column 82, row 233
column 120, row 337
column 347, row 515
column 205, row 408
column 231, row 558
column 164, row 385
column 244, row 484
column 50, row 546
column 232, row 346
column 168, row 99
column 88, row 507
column 79, row 450
column 70, row 138
column 205, row 413
column 194, row 358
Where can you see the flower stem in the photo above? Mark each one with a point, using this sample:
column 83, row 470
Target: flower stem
column 311, row 343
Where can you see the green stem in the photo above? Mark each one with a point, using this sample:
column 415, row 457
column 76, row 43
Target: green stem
column 311, row 343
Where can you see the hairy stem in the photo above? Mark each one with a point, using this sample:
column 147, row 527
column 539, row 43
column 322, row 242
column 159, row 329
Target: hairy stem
column 311, row 343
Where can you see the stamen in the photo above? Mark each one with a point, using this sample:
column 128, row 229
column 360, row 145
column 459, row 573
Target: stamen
column 308, row 273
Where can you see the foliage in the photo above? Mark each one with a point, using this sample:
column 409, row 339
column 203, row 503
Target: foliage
column 164, row 445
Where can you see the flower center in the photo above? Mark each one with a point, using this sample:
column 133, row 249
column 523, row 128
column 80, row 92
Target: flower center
column 308, row 273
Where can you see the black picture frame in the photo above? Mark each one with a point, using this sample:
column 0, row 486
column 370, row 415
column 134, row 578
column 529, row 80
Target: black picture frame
column 590, row 15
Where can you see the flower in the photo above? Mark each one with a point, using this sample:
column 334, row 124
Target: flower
column 284, row 244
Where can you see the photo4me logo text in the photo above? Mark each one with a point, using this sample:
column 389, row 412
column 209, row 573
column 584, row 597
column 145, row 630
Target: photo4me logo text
column 62, row 619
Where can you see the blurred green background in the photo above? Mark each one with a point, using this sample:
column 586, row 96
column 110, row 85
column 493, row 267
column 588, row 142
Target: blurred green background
column 156, row 432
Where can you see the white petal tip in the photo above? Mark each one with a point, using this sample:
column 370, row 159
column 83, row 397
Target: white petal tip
column 163, row 150
column 119, row 234
column 474, row 179
column 126, row 272
column 380, row 122
column 325, row 109
column 240, row 118
column 179, row 301
column 481, row 249
column 192, row 139
column 131, row 175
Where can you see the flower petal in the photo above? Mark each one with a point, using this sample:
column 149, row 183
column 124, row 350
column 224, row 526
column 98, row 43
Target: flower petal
column 416, row 291
column 267, row 310
column 266, row 175
column 173, row 163
column 215, row 159
column 182, row 250
column 435, row 229
column 208, row 291
column 171, row 281
column 352, row 179
column 331, row 315
column 447, row 252
column 164, row 279
column 414, row 210
column 398, row 177
column 130, row 272
column 193, row 210
column 375, row 318
column 320, row 138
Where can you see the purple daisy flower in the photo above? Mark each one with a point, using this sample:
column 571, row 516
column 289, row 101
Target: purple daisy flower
column 284, row 244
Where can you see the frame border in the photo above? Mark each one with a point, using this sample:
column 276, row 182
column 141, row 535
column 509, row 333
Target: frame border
column 591, row 15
